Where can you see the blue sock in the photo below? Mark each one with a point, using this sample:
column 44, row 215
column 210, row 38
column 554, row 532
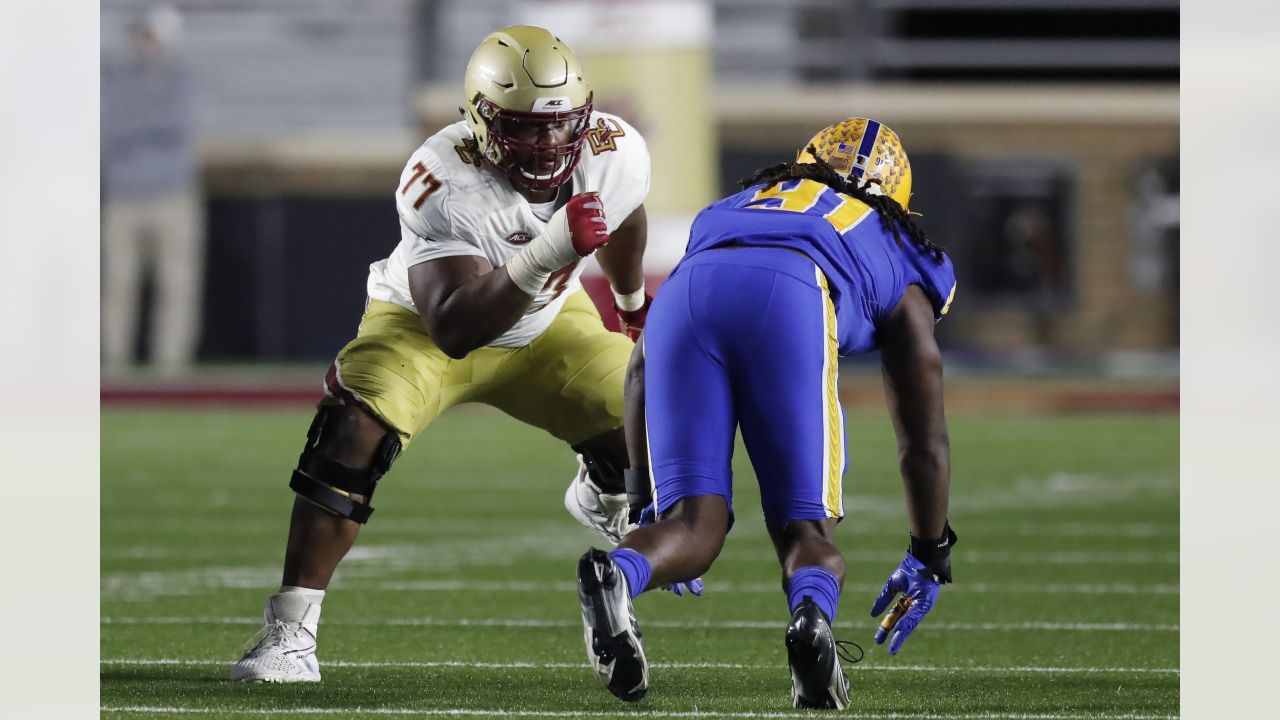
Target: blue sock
column 818, row 583
column 635, row 568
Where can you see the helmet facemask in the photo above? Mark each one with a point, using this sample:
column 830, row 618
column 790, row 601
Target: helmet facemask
column 516, row 147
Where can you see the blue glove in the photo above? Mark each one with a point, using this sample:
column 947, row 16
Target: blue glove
column 648, row 517
column 919, row 588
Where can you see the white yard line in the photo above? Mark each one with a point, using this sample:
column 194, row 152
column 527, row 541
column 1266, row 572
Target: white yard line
column 862, row 528
column 660, row 665
column 679, row 624
column 142, row 586
column 495, row 712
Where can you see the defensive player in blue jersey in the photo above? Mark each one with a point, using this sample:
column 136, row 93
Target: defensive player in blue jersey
column 814, row 260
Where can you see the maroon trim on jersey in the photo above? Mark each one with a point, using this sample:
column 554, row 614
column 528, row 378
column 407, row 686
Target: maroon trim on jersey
column 334, row 386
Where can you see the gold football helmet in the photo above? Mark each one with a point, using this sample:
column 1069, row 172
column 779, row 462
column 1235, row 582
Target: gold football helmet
column 867, row 153
column 528, row 105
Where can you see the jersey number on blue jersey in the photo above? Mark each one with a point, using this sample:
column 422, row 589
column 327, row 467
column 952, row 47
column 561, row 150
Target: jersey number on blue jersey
column 801, row 196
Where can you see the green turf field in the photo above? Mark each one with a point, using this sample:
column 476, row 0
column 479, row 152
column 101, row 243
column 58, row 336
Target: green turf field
column 458, row 599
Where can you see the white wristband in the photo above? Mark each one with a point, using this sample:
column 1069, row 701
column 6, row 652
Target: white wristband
column 551, row 250
column 630, row 301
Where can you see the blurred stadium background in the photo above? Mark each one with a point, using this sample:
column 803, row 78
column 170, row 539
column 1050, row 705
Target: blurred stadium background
column 1043, row 135
column 1044, row 141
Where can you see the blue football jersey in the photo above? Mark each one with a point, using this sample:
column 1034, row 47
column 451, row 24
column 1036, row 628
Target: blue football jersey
column 867, row 270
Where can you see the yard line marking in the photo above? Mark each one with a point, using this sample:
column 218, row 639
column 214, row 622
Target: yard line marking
column 424, row 555
column 773, row 587
column 152, row 583
column 467, row 712
column 660, row 665
column 679, row 624
column 865, row 528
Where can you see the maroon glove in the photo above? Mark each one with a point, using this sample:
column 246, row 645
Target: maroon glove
column 584, row 214
column 631, row 322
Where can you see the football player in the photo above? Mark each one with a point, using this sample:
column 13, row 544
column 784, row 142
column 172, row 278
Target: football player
column 480, row 301
column 814, row 260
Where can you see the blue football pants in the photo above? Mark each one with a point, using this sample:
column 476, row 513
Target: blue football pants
column 745, row 337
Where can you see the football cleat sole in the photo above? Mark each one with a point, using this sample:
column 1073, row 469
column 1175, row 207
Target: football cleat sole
column 609, row 626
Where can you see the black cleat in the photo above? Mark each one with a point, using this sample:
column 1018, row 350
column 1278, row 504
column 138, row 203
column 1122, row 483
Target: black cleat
column 817, row 680
column 609, row 627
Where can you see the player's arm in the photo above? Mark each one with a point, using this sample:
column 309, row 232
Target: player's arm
column 633, row 412
column 464, row 303
column 623, row 264
column 623, row 260
column 912, row 369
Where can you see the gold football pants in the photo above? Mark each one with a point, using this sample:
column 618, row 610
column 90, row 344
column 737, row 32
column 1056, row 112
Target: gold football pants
column 568, row 381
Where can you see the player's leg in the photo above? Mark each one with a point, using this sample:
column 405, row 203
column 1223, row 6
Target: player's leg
column 121, row 281
column 793, row 430
column 690, row 431
column 179, row 280
column 347, row 451
column 383, row 389
column 682, row 544
column 597, row 495
column 813, row 572
column 569, row 382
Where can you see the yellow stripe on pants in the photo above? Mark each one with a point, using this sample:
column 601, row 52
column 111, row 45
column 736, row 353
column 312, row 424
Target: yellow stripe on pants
column 833, row 425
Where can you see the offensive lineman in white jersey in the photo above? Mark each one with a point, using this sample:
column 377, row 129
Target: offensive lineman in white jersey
column 480, row 301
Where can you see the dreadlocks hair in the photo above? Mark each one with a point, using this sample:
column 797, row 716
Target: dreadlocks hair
column 894, row 217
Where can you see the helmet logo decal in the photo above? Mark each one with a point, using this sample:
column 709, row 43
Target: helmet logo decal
column 841, row 159
column 551, row 104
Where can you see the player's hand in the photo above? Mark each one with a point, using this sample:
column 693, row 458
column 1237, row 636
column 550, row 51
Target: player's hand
column 584, row 215
column 631, row 322
column 573, row 232
column 694, row 586
column 919, row 591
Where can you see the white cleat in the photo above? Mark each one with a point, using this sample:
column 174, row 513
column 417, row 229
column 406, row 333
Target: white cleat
column 285, row 649
column 606, row 513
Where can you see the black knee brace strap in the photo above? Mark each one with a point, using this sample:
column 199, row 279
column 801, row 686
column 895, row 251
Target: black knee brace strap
column 605, row 469
column 322, row 478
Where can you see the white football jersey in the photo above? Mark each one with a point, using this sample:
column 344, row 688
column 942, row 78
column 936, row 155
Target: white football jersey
column 450, row 204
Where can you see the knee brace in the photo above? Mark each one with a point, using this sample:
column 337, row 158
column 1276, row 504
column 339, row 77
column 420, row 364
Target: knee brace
column 604, row 467
column 328, row 483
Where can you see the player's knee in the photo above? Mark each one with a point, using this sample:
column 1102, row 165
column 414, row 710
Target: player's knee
column 347, row 452
column 705, row 518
